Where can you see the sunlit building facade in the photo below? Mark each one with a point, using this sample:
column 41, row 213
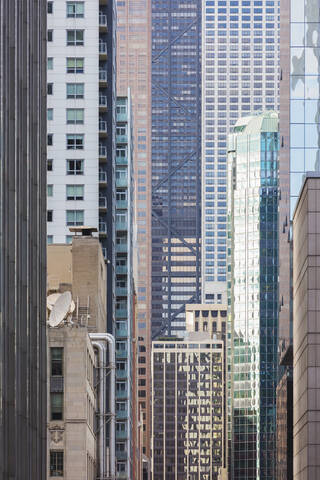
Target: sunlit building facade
column 253, row 294
column 240, row 72
column 134, row 71
column 187, row 407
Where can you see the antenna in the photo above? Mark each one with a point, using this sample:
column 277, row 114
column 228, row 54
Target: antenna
column 51, row 300
column 60, row 309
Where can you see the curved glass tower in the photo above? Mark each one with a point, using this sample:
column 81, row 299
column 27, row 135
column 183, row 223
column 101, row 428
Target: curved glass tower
column 253, row 294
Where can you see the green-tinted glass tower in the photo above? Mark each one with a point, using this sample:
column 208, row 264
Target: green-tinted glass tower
column 253, row 295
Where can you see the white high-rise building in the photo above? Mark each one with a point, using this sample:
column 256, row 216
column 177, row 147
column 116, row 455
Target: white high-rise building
column 81, row 124
column 240, row 56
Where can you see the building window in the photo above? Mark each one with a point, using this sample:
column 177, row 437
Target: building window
column 69, row 239
column 121, row 109
column 56, row 464
column 49, row 239
column 50, row 89
column 75, row 167
column 121, row 131
column 49, row 165
column 75, row 142
column 50, row 114
column 75, row 116
column 56, row 361
column 50, row 63
column 75, row 38
column 120, row 427
column 49, row 190
column 75, row 9
column 49, row 215
column 75, row 90
column 75, row 192
column 75, row 65
column 75, row 217
column 50, row 35
column 56, row 404
column 121, row 467
column 50, row 7
column 142, row 371
column 121, row 152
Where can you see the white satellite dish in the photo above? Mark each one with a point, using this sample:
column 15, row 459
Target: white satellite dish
column 51, row 300
column 60, row 309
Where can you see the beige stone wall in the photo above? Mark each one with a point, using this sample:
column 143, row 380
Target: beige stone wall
column 306, row 332
column 59, row 266
column 74, row 434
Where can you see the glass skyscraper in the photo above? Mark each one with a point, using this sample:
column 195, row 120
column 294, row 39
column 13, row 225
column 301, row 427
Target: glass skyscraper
column 176, row 162
column 253, row 295
column 239, row 75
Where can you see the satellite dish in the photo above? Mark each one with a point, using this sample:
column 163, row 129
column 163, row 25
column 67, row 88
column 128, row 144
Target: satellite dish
column 60, row 309
column 51, row 300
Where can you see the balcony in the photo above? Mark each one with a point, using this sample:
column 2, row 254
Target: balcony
column 122, row 117
column 121, row 436
column 121, row 354
column 122, row 138
column 122, row 374
column 121, row 269
column 102, row 178
column 123, row 330
column 102, row 153
column 121, row 455
column 103, row 103
column 103, row 25
column 121, row 225
column 122, row 182
column 102, row 229
column 102, row 203
column 103, row 50
column 121, row 291
column 102, row 128
column 103, row 79
column 121, row 161
column 121, row 204
column 122, row 247
column 121, row 394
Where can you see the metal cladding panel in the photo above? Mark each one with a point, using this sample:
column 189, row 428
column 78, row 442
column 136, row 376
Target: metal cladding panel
column 23, row 239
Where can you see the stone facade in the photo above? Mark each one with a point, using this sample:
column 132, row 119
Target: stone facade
column 306, row 331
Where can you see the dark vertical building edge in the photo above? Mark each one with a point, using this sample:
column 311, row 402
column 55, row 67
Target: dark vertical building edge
column 23, row 239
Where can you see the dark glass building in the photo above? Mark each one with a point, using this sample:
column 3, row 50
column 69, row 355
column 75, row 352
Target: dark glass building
column 176, row 162
column 23, row 367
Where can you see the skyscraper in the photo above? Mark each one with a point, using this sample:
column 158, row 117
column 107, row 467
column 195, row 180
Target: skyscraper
column 187, row 407
column 22, row 240
column 134, row 71
column 81, row 121
column 176, row 162
column 124, row 286
column 239, row 75
column 253, row 294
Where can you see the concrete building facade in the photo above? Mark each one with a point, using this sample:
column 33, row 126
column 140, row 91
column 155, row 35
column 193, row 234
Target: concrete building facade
column 306, row 361
column 81, row 387
column 240, row 71
column 187, row 407
column 253, row 295
column 22, row 239
column 134, row 71
column 81, row 124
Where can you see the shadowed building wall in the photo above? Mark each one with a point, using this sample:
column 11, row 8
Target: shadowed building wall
column 22, row 239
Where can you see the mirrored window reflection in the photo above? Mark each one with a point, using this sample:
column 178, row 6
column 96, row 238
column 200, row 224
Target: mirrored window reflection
column 297, row 11
column 297, row 160
column 312, row 110
column 297, row 136
column 311, row 10
column 297, row 111
column 312, row 136
column 297, row 61
column 312, row 61
column 297, row 34
column 312, row 159
column 297, row 86
column 296, row 180
column 312, row 90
